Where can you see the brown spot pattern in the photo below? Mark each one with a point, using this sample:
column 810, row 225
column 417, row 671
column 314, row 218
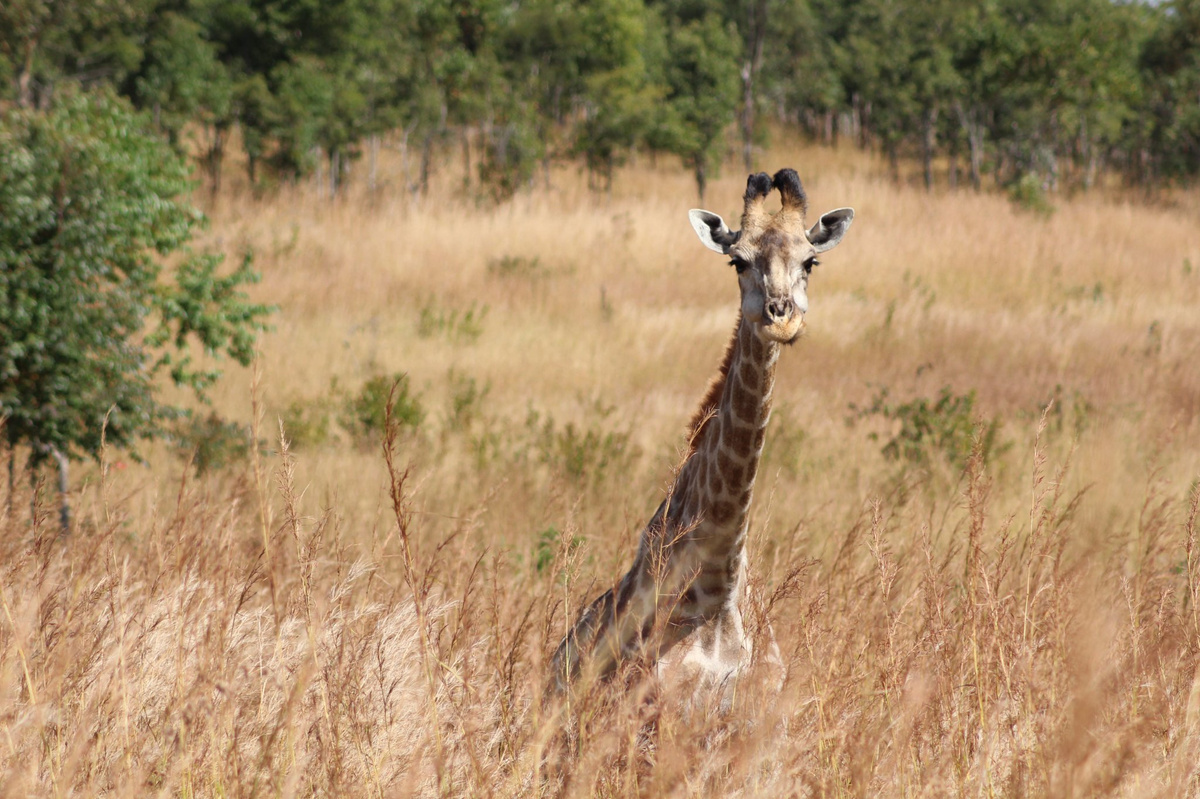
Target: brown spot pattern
column 722, row 512
column 738, row 439
column 748, row 374
column 715, row 484
column 745, row 404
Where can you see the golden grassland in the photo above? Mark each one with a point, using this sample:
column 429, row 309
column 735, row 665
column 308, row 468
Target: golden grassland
column 317, row 620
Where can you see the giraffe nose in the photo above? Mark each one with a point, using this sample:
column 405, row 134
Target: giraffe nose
column 779, row 309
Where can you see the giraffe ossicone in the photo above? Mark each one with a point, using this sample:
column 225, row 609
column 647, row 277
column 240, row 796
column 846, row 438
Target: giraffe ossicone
column 685, row 587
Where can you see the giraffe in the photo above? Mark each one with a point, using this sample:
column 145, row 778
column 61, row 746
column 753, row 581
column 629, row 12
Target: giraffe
column 687, row 578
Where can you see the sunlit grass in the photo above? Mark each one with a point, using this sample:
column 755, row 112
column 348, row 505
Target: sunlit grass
column 1028, row 627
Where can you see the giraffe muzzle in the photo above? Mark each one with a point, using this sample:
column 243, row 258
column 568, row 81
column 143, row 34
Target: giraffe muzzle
column 778, row 310
column 782, row 321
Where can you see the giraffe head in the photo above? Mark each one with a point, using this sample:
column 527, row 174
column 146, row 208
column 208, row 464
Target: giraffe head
column 773, row 255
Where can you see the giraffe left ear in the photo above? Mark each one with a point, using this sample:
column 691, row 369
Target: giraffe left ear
column 712, row 230
column 830, row 228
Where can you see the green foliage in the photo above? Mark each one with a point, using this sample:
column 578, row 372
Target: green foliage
column 181, row 79
column 1028, row 194
column 91, row 207
column 458, row 325
column 306, row 423
column 467, row 398
column 547, row 546
column 1071, row 413
column 516, row 266
column 364, row 414
column 212, row 443
column 618, row 92
column 946, row 429
column 44, row 43
column 702, row 80
column 511, row 154
column 1058, row 89
column 583, row 455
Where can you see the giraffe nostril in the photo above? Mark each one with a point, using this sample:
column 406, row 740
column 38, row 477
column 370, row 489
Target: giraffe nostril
column 778, row 309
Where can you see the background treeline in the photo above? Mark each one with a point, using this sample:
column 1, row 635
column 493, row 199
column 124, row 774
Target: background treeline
column 1047, row 94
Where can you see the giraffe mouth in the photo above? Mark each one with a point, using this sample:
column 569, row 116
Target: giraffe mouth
column 785, row 331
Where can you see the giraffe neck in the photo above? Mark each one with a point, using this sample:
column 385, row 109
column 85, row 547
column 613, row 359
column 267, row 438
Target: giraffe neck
column 716, row 484
column 690, row 557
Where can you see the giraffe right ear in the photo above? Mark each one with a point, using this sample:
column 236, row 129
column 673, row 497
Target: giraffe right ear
column 712, row 230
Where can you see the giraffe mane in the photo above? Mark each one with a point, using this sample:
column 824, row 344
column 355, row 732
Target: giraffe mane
column 712, row 396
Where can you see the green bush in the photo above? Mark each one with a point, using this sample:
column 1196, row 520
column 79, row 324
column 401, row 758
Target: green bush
column 1028, row 194
column 547, row 546
column 213, row 443
column 306, row 423
column 516, row 266
column 459, row 326
column 100, row 294
column 945, row 428
column 364, row 414
column 582, row 455
column 466, row 400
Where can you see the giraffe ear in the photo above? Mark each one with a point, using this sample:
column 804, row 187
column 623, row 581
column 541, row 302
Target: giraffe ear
column 830, row 228
column 712, row 230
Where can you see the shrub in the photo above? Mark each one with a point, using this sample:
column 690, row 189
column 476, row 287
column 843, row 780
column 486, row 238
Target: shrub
column 365, row 413
column 306, row 423
column 213, row 443
column 99, row 290
column 517, row 266
column 1027, row 193
column 945, row 428
column 581, row 454
column 459, row 326
column 466, row 400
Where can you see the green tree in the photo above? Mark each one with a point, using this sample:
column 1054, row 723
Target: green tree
column 45, row 41
column 1165, row 141
column 619, row 98
column 702, row 91
column 182, row 81
column 92, row 206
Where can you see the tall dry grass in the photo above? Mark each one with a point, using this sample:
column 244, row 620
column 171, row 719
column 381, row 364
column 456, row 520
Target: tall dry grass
column 335, row 617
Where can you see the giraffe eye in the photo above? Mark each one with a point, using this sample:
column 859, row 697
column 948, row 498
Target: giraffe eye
column 740, row 264
column 809, row 264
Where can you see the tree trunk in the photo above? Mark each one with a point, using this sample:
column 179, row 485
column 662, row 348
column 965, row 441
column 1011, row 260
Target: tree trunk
column 748, row 116
column 974, row 130
column 1087, row 153
column 856, row 122
column 64, row 506
column 929, row 144
column 426, row 164
column 373, row 149
column 12, row 484
column 466, row 155
column 701, row 176
column 214, row 159
column 25, row 75
column 335, row 166
column 756, row 35
column 404, row 174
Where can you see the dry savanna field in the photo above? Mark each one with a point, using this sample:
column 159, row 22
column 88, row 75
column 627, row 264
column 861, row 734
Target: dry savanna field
column 974, row 532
